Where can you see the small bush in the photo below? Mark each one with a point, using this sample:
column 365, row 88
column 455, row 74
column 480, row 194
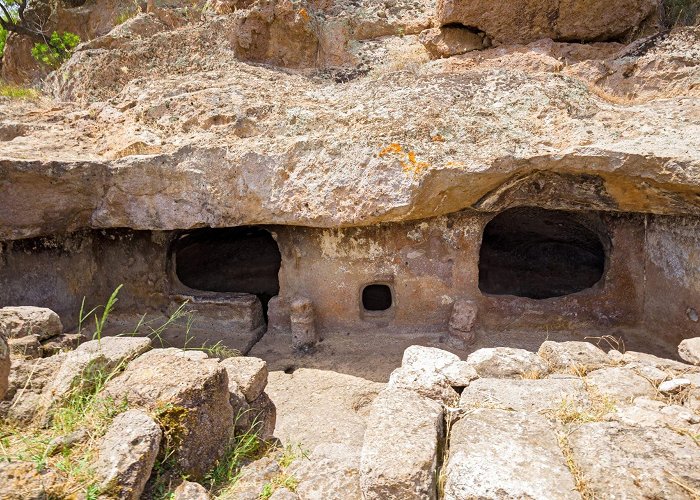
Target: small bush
column 681, row 12
column 3, row 38
column 57, row 50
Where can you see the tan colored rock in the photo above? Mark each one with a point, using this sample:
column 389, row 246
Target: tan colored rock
column 639, row 461
column 253, row 478
column 20, row 321
column 191, row 491
column 127, row 454
column 573, row 357
column 462, row 319
column 451, row 41
column 303, row 323
column 534, row 396
column 399, row 453
column 22, row 481
column 27, row 381
column 192, row 392
column 524, row 21
column 331, row 470
column 504, row 362
column 504, row 454
column 249, row 374
column 61, row 343
column 26, row 347
column 689, row 350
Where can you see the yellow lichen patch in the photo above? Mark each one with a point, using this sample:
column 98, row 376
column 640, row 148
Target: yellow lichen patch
column 304, row 15
column 407, row 159
column 391, row 148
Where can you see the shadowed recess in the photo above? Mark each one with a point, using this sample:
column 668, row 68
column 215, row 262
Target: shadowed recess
column 376, row 297
column 241, row 259
column 538, row 253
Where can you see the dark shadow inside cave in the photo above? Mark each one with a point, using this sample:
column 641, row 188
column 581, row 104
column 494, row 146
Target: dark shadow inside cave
column 537, row 253
column 240, row 259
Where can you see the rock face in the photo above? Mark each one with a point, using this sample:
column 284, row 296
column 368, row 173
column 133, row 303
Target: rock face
column 22, row 481
column 689, row 350
column 21, row 321
column 640, row 462
column 573, row 356
column 451, row 41
column 501, row 454
column 400, row 449
column 191, row 491
column 127, row 454
column 524, row 21
column 192, row 399
column 506, row 362
column 249, row 374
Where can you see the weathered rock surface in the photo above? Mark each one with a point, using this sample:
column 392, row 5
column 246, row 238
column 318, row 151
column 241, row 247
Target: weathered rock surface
column 22, row 481
column 399, row 453
column 636, row 462
column 192, row 395
column 620, row 384
column 573, row 357
column 500, row 362
column 331, row 471
column 502, row 454
column 127, row 453
column 249, row 374
column 27, row 381
column 105, row 355
column 523, row 21
column 20, row 321
column 191, row 491
column 451, row 41
column 432, row 372
column 206, row 120
column 25, row 347
column 522, row 395
column 689, row 350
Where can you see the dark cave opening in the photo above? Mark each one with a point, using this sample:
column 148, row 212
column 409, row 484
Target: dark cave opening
column 376, row 297
column 240, row 259
column 537, row 253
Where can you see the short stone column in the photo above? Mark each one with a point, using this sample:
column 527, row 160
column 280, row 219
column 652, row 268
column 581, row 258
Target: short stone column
column 462, row 320
column 303, row 323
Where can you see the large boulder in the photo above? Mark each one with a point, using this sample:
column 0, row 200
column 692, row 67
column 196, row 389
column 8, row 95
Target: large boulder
column 432, row 372
column 127, row 454
column 619, row 384
column 400, row 449
column 504, row 454
column 642, row 462
column 573, row 357
column 689, row 350
column 524, row 21
column 504, row 362
column 20, row 321
column 91, row 362
column 190, row 398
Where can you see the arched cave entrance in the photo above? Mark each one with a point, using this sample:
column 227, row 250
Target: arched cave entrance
column 240, row 259
column 537, row 253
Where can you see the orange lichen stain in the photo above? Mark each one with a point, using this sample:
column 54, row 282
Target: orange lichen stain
column 391, row 148
column 407, row 159
column 455, row 164
column 304, row 15
column 437, row 138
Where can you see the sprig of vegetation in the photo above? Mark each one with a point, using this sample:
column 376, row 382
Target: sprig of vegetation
column 56, row 50
column 16, row 92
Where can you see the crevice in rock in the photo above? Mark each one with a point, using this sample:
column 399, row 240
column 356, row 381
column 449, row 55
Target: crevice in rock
column 450, row 417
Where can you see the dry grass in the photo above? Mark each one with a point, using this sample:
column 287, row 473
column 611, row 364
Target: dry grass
column 579, row 479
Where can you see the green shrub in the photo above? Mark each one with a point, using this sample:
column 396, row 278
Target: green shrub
column 57, row 50
column 3, row 37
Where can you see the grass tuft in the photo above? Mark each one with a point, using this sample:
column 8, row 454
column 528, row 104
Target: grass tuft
column 17, row 92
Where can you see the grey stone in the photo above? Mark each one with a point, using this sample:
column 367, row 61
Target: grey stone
column 191, row 491
column 462, row 319
column 620, row 384
column 504, row 362
column 522, row 395
column 23, row 481
column 193, row 391
column 249, row 374
column 332, row 470
column 253, row 478
column 20, row 321
column 127, row 454
column 502, row 454
column 432, row 372
column 674, row 385
column 689, row 350
column 635, row 462
column 660, row 363
column 303, row 323
column 573, row 356
column 399, row 453
column 61, row 343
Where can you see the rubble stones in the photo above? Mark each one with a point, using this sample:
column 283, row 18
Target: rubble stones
column 573, row 357
column 20, row 321
column 127, row 454
column 503, row 362
column 249, row 374
column 689, row 350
